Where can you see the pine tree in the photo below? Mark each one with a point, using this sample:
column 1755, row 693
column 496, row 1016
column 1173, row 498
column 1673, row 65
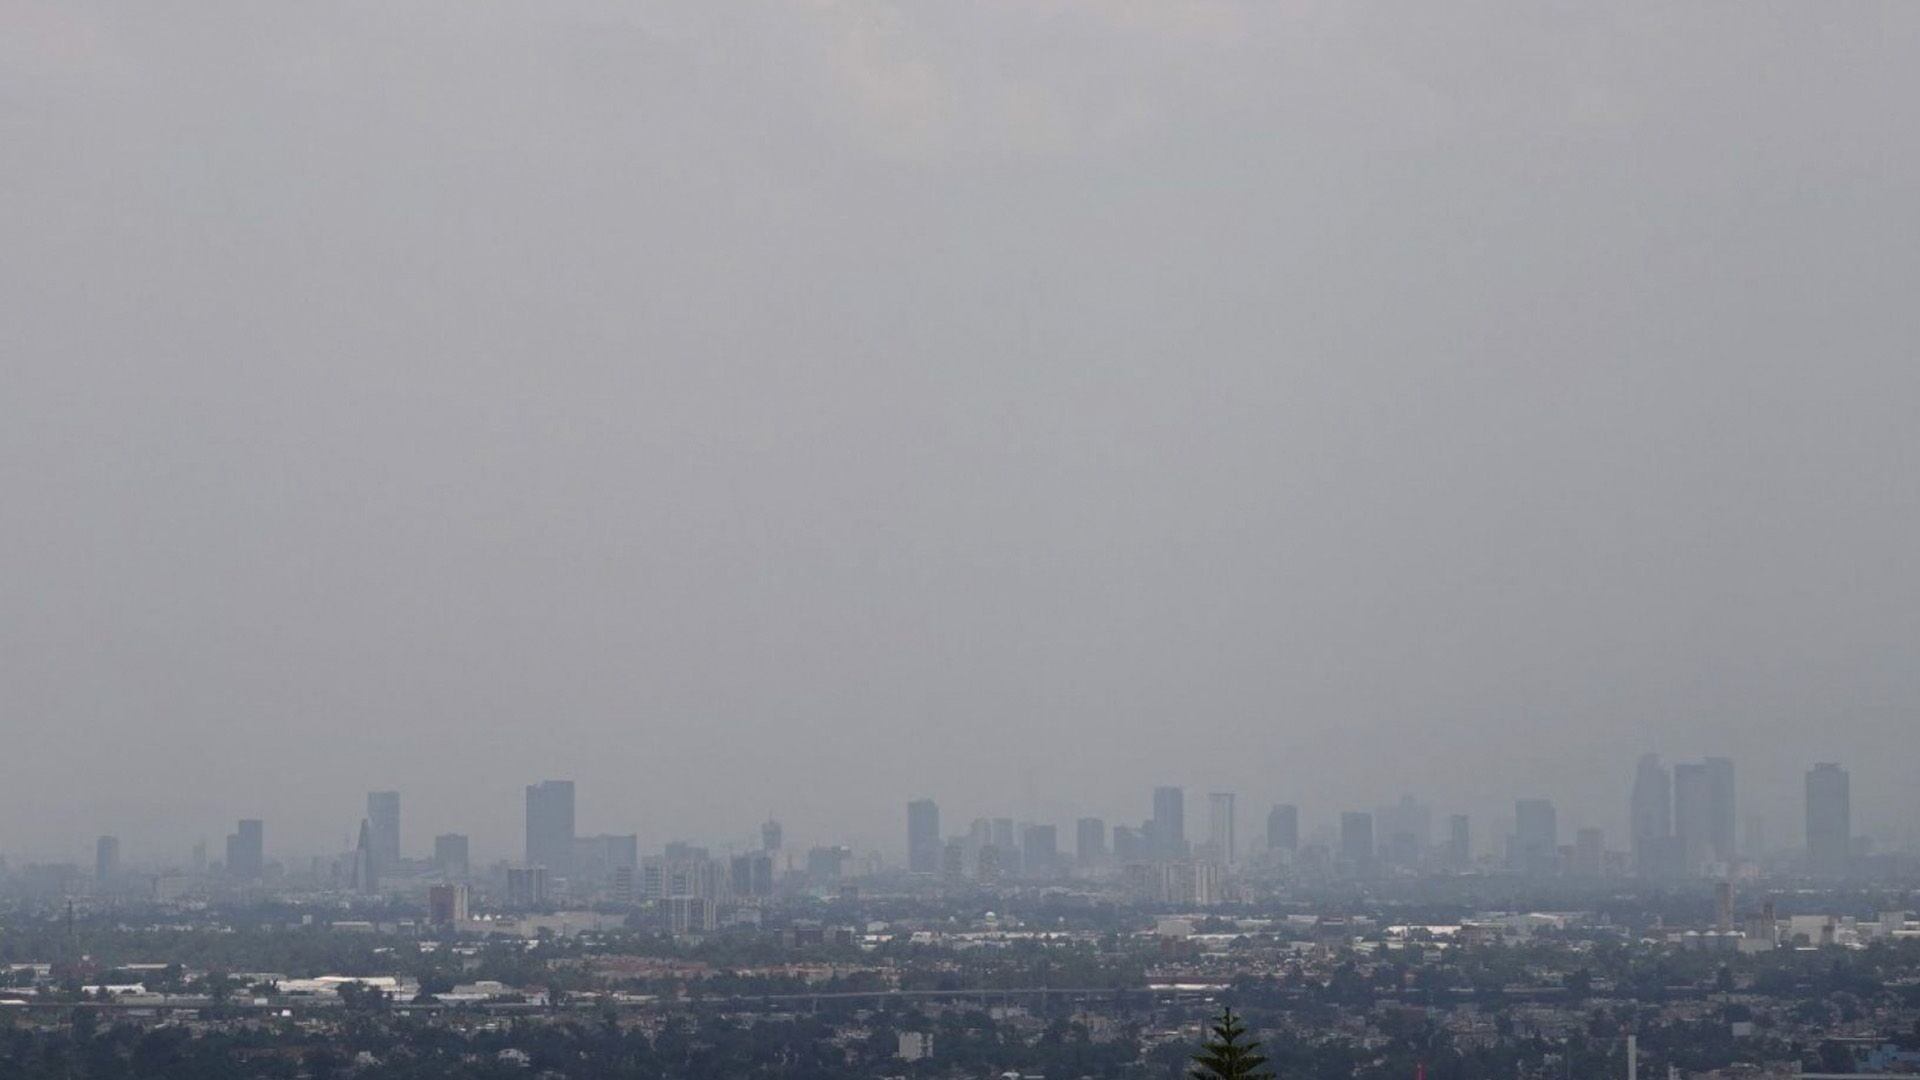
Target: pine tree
column 1229, row 1054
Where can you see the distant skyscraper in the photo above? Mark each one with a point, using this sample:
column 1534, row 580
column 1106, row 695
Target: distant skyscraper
column 1089, row 841
column 1704, row 812
column 923, row 837
column 550, row 825
column 979, row 835
column 1536, row 837
column 1356, row 839
column 1753, row 844
column 383, row 814
column 1405, row 831
column 770, row 836
column 450, row 855
column 827, row 864
column 597, row 858
column 1589, row 853
column 1721, row 813
column 1220, row 825
column 1003, row 838
column 1693, row 814
column 246, row 850
column 987, row 863
column 1283, row 828
column 1169, row 822
column 1829, row 820
column 1039, row 851
column 752, row 874
column 1459, row 842
column 366, row 867
column 106, row 858
column 1650, row 813
column 953, row 859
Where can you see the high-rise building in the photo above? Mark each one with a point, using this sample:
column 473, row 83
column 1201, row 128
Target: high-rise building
column 1089, row 841
column 1039, row 851
column 383, row 813
column 1753, row 841
column 1704, row 812
column 683, row 869
column 1169, row 822
column 246, row 850
column 1829, row 820
column 979, row 835
column 1405, row 831
column 1536, row 837
column 752, row 874
column 1459, row 842
column 447, row 904
column 923, row 837
column 527, row 885
column 1356, row 839
column 1129, row 846
column 624, row 887
column 1003, row 833
column 1187, row 882
column 550, row 825
column 596, row 858
column 1722, row 816
column 106, row 858
column 1693, row 814
column 827, row 864
column 1008, row 844
column 450, row 856
column 1283, row 828
column 691, row 915
column 1589, row 853
column 1650, row 815
column 987, row 863
column 366, row 868
column 770, row 836
column 953, row 859
column 1220, row 826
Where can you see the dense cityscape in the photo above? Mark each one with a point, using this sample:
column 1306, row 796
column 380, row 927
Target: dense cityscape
column 1379, row 946
column 987, row 540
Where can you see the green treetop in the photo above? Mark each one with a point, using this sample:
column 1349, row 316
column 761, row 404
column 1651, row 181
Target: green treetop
column 1229, row 1054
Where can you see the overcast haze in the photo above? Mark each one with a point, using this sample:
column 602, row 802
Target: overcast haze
column 797, row 408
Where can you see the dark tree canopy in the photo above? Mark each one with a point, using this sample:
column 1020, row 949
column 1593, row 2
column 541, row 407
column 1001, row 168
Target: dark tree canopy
column 1229, row 1054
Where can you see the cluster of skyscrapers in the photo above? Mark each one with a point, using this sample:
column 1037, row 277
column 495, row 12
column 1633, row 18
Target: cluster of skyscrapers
column 1681, row 825
column 1156, row 854
column 1683, row 819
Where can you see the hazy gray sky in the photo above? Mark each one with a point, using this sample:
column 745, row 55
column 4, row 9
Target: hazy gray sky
column 798, row 407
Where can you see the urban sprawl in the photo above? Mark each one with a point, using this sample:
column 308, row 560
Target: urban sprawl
column 1366, row 944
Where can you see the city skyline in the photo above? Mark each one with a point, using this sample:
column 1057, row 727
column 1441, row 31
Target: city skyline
column 550, row 809
column 1024, row 539
column 478, row 810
